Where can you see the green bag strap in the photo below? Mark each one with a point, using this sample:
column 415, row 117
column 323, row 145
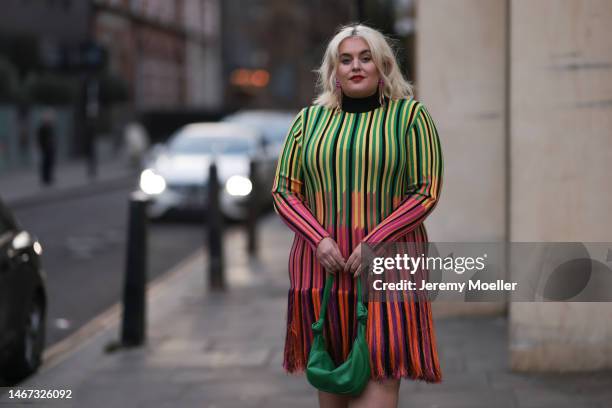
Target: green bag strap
column 362, row 311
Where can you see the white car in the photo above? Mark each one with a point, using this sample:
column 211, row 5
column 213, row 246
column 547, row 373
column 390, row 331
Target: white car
column 176, row 175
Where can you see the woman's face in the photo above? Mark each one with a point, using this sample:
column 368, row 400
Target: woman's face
column 356, row 71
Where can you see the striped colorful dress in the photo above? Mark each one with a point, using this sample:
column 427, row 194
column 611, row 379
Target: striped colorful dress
column 371, row 175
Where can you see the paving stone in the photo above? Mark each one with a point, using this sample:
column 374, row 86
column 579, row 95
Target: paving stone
column 468, row 398
column 212, row 359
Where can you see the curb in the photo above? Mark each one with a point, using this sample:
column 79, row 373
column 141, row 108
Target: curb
column 71, row 193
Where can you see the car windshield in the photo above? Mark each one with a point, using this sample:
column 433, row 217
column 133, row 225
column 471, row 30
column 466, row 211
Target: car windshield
column 186, row 144
column 272, row 128
column 278, row 131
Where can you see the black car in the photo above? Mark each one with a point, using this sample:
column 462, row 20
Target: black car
column 23, row 300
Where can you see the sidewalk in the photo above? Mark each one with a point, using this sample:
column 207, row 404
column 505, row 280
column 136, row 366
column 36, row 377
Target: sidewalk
column 22, row 187
column 225, row 350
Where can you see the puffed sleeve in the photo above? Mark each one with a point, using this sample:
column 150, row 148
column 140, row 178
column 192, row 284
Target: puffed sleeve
column 288, row 188
column 424, row 186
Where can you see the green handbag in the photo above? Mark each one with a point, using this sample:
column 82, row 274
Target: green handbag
column 350, row 377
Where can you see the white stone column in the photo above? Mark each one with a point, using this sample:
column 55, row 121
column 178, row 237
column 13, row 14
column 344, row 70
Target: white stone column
column 561, row 167
column 460, row 78
column 460, row 62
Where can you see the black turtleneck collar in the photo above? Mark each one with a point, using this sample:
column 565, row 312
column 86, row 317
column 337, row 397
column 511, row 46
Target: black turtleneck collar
column 357, row 105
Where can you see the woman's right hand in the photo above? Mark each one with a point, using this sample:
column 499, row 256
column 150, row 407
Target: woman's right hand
column 328, row 254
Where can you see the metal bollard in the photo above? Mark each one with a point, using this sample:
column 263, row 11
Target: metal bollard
column 133, row 328
column 215, row 232
column 253, row 210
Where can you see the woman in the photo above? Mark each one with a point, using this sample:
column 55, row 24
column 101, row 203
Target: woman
column 361, row 166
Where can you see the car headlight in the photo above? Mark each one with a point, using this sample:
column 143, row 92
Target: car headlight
column 238, row 186
column 151, row 182
column 37, row 248
column 22, row 240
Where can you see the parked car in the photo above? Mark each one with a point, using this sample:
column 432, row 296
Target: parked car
column 23, row 300
column 176, row 176
column 273, row 126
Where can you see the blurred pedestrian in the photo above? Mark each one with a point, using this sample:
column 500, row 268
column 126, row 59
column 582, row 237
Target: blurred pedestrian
column 46, row 144
column 136, row 142
column 359, row 167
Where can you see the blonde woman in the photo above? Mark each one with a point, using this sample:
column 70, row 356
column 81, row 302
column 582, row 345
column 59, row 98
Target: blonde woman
column 361, row 166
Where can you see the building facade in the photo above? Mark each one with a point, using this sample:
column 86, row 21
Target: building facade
column 166, row 50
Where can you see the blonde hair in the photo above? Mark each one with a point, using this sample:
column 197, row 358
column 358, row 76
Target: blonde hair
column 383, row 56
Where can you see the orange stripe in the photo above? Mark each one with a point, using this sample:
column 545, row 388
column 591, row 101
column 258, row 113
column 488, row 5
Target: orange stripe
column 415, row 359
column 391, row 344
column 379, row 331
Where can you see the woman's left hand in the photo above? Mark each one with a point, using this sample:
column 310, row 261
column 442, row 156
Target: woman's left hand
column 353, row 263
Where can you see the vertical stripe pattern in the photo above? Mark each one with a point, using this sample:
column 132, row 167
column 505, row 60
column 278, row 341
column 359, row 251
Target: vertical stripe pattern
column 368, row 177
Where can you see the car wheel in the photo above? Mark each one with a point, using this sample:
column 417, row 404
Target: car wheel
column 27, row 354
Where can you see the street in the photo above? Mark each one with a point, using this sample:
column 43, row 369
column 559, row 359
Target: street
column 454, row 152
column 84, row 242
